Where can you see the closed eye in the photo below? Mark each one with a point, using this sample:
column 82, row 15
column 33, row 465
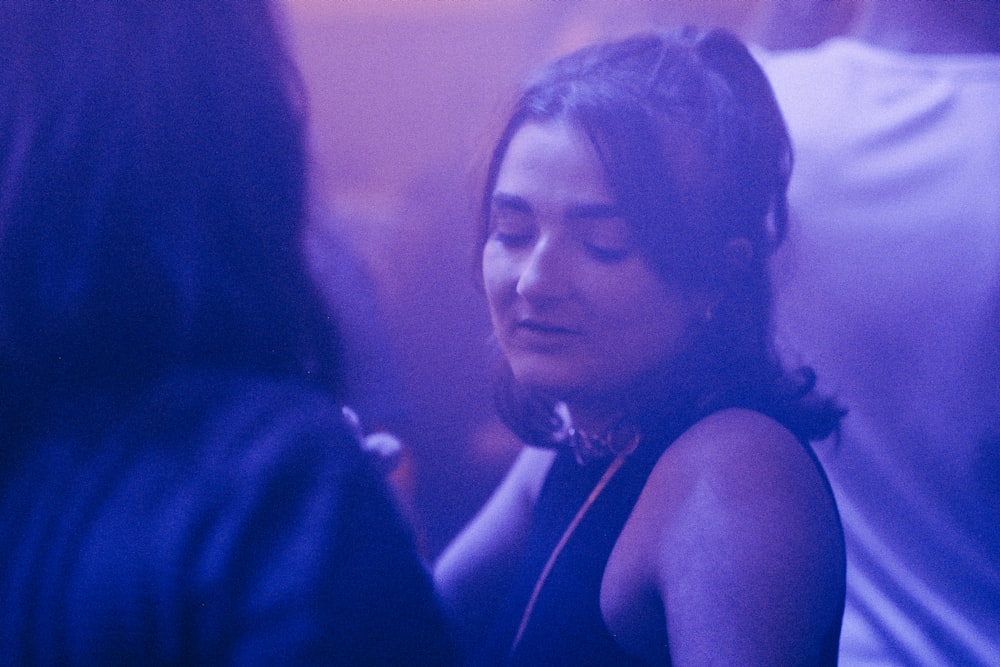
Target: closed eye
column 608, row 238
column 511, row 239
column 511, row 221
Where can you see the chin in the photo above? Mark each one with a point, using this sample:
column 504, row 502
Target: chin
column 554, row 382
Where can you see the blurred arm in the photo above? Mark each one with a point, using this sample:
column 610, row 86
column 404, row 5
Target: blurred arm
column 474, row 571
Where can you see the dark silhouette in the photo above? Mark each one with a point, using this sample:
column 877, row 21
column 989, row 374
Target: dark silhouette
column 178, row 483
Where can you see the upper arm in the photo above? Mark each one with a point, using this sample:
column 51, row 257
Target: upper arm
column 749, row 562
column 475, row 568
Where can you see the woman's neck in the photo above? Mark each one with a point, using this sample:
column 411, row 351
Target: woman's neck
column 593, row 421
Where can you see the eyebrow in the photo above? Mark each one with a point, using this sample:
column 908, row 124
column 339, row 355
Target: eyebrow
column 511, row 202
column 575, row 212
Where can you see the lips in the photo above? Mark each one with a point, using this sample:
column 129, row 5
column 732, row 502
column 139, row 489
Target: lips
column 543, row 335
column 549, row 328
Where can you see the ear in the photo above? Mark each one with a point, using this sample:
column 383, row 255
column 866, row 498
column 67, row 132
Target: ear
column 738, row 255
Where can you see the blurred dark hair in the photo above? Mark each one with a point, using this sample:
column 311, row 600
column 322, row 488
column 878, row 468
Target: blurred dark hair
column 152, row 197
column 695, row 149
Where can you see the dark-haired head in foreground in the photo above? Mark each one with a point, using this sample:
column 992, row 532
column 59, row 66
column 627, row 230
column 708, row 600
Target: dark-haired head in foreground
column 153, row 197
column 178, row 483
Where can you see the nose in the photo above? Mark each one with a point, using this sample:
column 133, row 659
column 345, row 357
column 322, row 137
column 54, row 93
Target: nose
column 545, row 274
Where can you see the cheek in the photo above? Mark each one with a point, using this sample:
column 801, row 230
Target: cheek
column 499, row 275
column 648, row 317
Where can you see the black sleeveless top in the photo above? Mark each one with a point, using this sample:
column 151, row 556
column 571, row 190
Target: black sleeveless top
column 566, row 626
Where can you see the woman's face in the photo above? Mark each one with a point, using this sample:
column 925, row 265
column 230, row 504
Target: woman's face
column 576, row 309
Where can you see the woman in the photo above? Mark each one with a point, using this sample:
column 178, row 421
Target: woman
column 178, row 485
column 666, row 508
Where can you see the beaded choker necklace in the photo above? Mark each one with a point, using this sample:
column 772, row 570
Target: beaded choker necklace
column 620, row 439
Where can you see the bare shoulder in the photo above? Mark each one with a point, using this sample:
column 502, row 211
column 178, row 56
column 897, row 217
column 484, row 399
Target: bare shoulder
column 737, row 533
column 732, row 433
column 741, row 455
column 735, row 479
column 733, row 550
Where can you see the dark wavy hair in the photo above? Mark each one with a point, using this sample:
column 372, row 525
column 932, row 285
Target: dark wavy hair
column 152, row 198
column 695, row 149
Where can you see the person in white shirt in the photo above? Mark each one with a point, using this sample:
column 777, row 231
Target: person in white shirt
column 889, row 286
